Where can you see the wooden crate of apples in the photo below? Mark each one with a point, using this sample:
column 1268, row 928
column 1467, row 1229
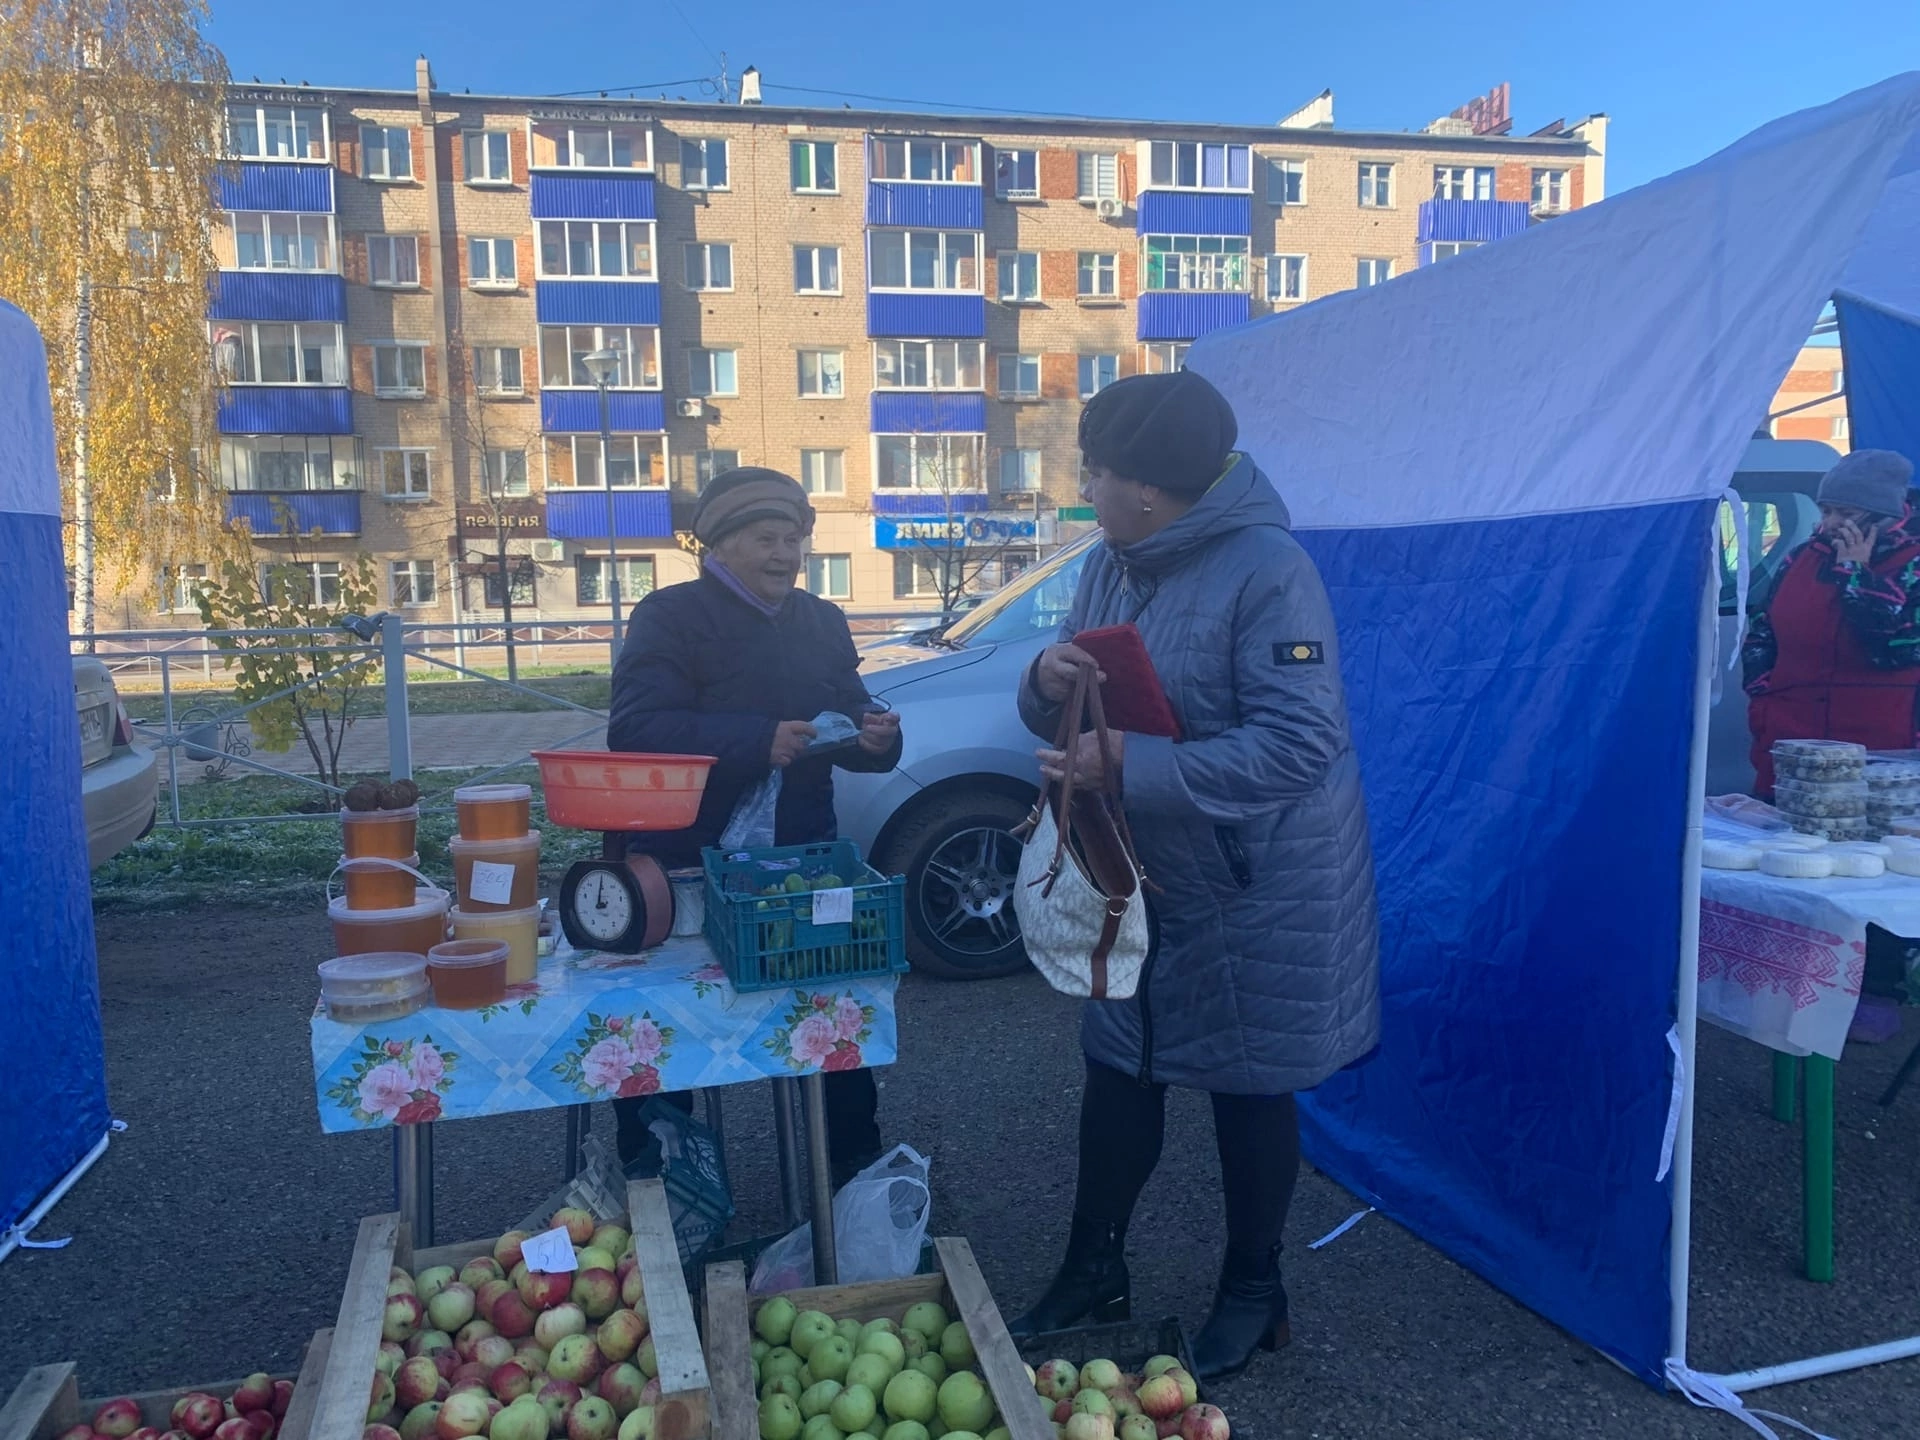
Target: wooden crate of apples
column 1100, row 1401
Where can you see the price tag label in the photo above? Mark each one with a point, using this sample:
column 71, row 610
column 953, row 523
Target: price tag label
column 491, row 884
column 833, row 907
column 550, row 1251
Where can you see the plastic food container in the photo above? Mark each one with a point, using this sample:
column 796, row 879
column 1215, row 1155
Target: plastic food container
column 494, row 812
column 389, row 834
column 496, row 874
column 412, row 929
column 689, row 900
column 608, row 790
column 468, row 974
column 519, row 928
column 375, row 883
column 377, row 985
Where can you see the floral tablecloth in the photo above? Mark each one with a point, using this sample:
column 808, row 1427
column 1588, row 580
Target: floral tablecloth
column 595, row 1026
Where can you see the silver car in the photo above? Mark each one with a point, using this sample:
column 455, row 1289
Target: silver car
column 119, row 781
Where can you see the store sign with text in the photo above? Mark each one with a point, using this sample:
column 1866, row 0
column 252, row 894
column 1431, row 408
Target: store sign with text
column 517, row 517
column 947, row 532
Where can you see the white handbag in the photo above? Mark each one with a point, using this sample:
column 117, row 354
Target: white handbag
column 1081, row 895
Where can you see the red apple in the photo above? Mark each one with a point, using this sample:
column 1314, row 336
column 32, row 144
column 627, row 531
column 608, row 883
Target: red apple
column 379, row 1432
column 1063, row 1412
column 479, row 1270
column 236, row 1429
column 474, row 1372
column 1167, row 1429
column 506, row 1250
column 592, row 1419
column 629, row 1262
column 428, row 1343
column 198, row 1413
column 580, row 1224
column 118, row 1419
column 1204, row 1422
column 651, row 1394
column 463, row 1413
column 596, row 1291
column 556, row 1324
column 446, row 1362
column 145, row 1432
column 420, row 1422
column 620, row 1334
column 254, row 1393
column 633, row 1292
column 543, row 1291
column 389, row 1357
column 282, row 1398
column 493, row 1352
column 452, row 1307
column 261, row 1424
column 576, row 1358
column 379, row 1399
column 472, row 1333
column 509, row 1382
column 531, row 1358
column 620, row 1386
column 399, row 1282
column 512, row 1317
column 417, row 1382
column 557, row 1398
column 78, row 1432
column 522, row 1420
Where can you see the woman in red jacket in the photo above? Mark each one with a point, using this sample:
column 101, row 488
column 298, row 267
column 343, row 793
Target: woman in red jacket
column 1836, row 654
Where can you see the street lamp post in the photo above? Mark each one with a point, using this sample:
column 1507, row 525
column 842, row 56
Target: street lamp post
column 603, row 366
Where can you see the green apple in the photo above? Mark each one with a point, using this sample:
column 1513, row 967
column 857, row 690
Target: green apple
column 964, row 1404
column 831, row 1359
column 809, row 1329
column 911, row 1395
column 887, row 1346
column 779, row 1418
column 905, row 1430
column 821, row 1427
column 849, row 1331
column 931, row 1366
column 786, row 1385
column 774, row 1323
column 956, row 1347
column 781, row 1361
column 819, row 1398
column 853, row 1408
column 929, row 1319
column 872, row 1371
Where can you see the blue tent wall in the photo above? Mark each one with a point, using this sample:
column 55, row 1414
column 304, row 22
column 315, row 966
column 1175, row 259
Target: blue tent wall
column 53, row 1093
column 1882, row 350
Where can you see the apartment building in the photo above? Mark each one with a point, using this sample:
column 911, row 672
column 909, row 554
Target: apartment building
column 905, row 311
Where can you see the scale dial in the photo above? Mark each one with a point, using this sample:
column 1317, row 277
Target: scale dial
column 607, row 905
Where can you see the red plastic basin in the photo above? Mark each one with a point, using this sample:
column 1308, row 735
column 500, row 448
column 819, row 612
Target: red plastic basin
column 608, row 790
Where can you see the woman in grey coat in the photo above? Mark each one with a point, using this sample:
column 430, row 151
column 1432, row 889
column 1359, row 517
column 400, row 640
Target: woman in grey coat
column 1264, row 977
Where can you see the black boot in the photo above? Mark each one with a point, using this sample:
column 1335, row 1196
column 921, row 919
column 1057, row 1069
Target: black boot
column 1092, row 1282
column 1249, row 1314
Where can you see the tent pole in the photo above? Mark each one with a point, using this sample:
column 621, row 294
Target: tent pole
column 1687, row 982
column 11, row 1238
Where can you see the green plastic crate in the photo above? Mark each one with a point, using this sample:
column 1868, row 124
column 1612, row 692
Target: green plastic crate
column 769, row 941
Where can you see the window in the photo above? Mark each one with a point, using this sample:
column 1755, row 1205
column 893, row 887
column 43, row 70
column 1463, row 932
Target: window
column 1020, row 377
column 311, row 582
column 180, row 587
column 823, row 373
column 276, row 132
column 635, row 574
column 504, row 473
column 290, row 462
column 277, row 354
column 712, row 372
column 269, row 240
column 564, row 350
column 1462, row 182
column 399, row 369
column 923, row 577
column 815, row 171
column 924, row 259
column 491, row 264
column 1549, row 189
column 1376, row 184
column 1096, row 373
column 404, row 474
column 1197, row 262
column 816, row 269
column 709, row 463
column 1188, row 165
column 1099, row 276
column 596, row 249
column 631, row 460
column 519, row 585
column 393, row 260
column 1099, row 177
column 489, row 160
column 830, row 576
column 1286, row 182
column 823, row 472
column 1165, row 357
column 496, row 370
column 1020, row 470
column 558, row 145
column 710, row 267
column 386, row 152
column 412, row 582
column 1016, row 174
column 1839, row 431
column 898, row 158
column 1374, row 272
column 940, row 463
column 1447, row 249
column 703, row 164
column 1019, row 276
column 1286, row 278
column 928, row 364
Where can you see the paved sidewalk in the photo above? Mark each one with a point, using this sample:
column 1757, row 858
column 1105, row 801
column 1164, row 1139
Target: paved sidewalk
column 439, row 742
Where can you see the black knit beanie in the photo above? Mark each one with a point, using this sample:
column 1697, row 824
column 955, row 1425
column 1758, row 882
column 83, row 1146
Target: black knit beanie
column 1174, row 431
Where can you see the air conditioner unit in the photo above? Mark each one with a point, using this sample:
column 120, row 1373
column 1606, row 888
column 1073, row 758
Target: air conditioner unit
column 1108, row 208
column 549, row 552
column 690, row 409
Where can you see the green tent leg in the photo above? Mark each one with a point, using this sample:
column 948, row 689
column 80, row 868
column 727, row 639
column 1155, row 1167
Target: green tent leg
column 1786, row 1074
column 1818, row 1145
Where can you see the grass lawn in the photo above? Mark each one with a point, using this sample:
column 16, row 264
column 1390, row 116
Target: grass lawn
column 426, row 695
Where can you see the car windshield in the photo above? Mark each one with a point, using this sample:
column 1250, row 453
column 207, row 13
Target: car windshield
column 1035, row 604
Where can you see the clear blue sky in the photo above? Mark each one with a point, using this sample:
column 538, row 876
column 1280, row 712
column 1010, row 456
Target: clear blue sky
column 1680, row 78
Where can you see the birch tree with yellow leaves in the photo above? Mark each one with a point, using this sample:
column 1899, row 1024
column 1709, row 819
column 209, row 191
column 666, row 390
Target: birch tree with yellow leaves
column 109, row 153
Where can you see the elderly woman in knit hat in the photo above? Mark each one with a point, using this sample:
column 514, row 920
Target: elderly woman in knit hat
column 1833, row 653
column 1264, row 977
column 737, row 664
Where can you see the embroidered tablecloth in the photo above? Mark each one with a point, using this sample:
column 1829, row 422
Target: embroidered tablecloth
column 594, row 1026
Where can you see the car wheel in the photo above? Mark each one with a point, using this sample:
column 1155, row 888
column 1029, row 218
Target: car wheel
column 961, row 862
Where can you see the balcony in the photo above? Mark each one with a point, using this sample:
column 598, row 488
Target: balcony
column 577, row 412
column 1480, row 220
column 926, row 314
column 277, row 295
column 286, row 410
column 929, row 502
column 1189, row 314
column 582, row 514
column 275, row 512
column 1184, row 212
column 592, row 197
column 942, row 206
column 280, row 185
column 908, row 412
column 597, row 302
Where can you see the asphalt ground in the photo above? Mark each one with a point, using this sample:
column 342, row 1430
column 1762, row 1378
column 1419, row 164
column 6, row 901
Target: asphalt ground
column 213, row 1238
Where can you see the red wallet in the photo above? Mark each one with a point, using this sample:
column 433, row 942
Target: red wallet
column 1132, row 694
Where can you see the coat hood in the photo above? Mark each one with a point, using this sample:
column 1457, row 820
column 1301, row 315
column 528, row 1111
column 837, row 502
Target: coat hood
column 1241, row 499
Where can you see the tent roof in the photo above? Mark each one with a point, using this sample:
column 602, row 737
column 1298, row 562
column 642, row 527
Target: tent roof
column 29, row 483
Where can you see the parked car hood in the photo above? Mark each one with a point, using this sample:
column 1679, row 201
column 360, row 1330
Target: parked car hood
column 889, row 667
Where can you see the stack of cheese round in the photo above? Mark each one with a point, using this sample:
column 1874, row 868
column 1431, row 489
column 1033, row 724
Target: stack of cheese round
column 1903, row 855
column 1729, row 855
column 1791, row 864
column 1858, row 860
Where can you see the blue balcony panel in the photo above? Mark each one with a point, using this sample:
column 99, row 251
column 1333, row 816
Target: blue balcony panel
column 1481, row 220
column 582, row 514
column 926, row 315
column 1184, row 212
column 908, row 412
column 597, row 302
column 944, row 207
column 331, row 512
column 1189, row 314
column 277, row 186
column 286, row 410
column 277, row 295
column 920, row 502
column 577, row 412
column 592, row 197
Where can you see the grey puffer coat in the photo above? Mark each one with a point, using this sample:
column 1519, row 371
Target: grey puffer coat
column 1265, row 975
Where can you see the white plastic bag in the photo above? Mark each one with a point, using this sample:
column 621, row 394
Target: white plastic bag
column 880, row 1220
column 750, row 827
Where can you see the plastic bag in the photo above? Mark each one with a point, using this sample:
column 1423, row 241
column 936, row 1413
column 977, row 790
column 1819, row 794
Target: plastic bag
column 880, row 1220
column 750, row 827
column 832, row 731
